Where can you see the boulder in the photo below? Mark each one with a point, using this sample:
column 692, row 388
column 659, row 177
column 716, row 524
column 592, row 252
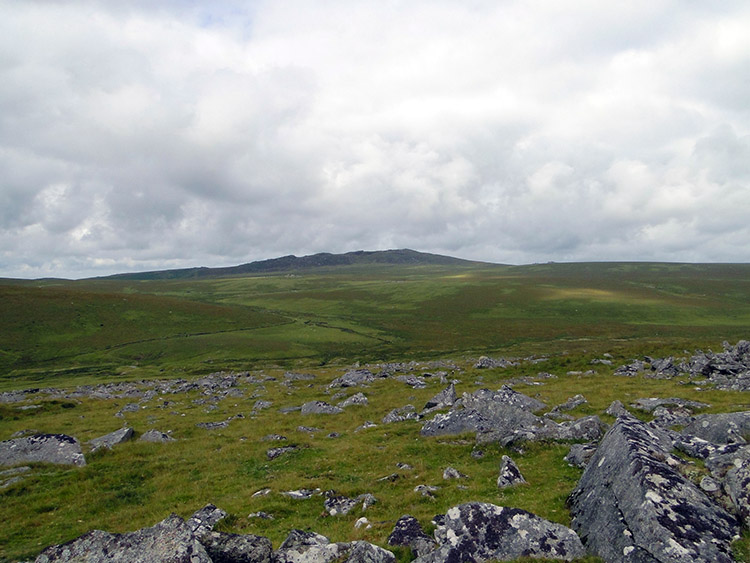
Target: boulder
column 408, row 532
column 738, row 486
column 569, row 405
column 169, row 541
column 476, row 532
column 407, row 412
column 353, row 378
column 112, row 439
column 309, row 547
column 509, row 475
column 204, row 520
column 451, row 473
column 486, row 401
column 651, row 403
column 156, row 436
column 44, row 448
column 616, row 408
column 222, row 547
column 632, row 503
column 412, row 381
column 320, row 407
column 446, row 398
column 273, row 453
column 356, row 399
column 726, row 428
column 580, row 454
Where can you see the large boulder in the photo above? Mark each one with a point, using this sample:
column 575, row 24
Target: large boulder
column 725, row 428
column 234, row 548
column 43, row 448
column 353, row 378
column 476, row 532
column 408, row 532
column 169, row 541
column 632, row 504
column 112, row 439
column 446, row 398
column 738, row 487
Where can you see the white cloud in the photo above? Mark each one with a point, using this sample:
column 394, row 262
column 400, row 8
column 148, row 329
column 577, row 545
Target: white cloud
column 136, row 135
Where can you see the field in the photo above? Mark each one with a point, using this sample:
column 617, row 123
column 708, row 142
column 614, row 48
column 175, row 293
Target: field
column 321, row 322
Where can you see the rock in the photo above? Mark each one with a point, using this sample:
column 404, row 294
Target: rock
column 486, row 401
column 169, row 541
column 426, row 490
column 362, row 523
column 580, row 454
column 631, row 370
column 356, row 399
column 212, row 425
column 45, row 448
column 727, row 428
column 320, row 407
column 261, row 405
column 262, row 492
column 570, row 404
column 450, row 473
column 338, row 504
column 260, row 514
column 446, row 398
column 412, row 381
column 353, row 378
column 308, row 429
column 488, row 363
column 301, row 494
column 509, row 475
column 652, row 403
column 233, row 548
column 481, row 532
column 273, row 438
column 709, row 485
column 291, row 376
column 10, row 476
column 408, row 532
column 204, row 520
column 112, row 439
column 156, row 436
column 454, row 422
column 632, row 503
column 728, row 370
column 662, row 368
column 616, row 409
column 273, row 453
column 309, row 547
column 407, row 412
column 738, row 486
column 367, row 424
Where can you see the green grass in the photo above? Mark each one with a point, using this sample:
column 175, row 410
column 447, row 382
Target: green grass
column 69, row 333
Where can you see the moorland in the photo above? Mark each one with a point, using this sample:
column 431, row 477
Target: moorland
column 320, row 320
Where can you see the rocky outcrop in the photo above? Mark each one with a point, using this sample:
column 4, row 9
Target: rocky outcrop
column 476, row 532
column 446, row 398
column 309, row 547
column 353, row 378
column 509, row 475
column 43, row 448
column 726, row 428
column 633, row 504
column 407, row 412
column 408, row 532
column 223, row 547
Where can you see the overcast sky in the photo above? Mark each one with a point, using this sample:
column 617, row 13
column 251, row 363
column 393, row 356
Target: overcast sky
column 148, row 135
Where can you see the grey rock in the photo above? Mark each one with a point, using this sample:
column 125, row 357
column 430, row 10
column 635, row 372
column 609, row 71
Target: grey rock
column 45, row 448
column 616, row 409
column 570, row 404
column 451, row 473
column 320, row 407
column 338, row 504
column 156, row 436
column 651, row 403
column 476, row 532
column 454, row 422
column 509, row 475
column 262, row 492
column 203, row 520
column 301, row 494
column 222, row 547
column 485, row 401
column 356, row 399
column 662, row 368
column 273, row 453
column 291, row 376
column 353, row 378
column 112, row 439
column 262, row 405
column 9, row 477
column 309, row 547
column 727, row 370
column 262, row 515
column 426, row 490
column 407, row 412
column 412, row 381
column 709, row 485
column 738, row 486
column 367, row 424
column 580, row 454
column 633, row 504
column 308, row 429
column 273, row 438
column 631, row 370
column 488, row 363
column 169, row 541
column 408, row 532
column 446, row 398
column 212, row 425
column 727, row 428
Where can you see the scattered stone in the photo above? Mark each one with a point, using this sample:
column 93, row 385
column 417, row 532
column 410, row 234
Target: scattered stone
column 446, row 398
column 580, row 454
column 338, row 504
column 308, row 429
column 632, row 501
column 155, row 436
column 631, row 370
column 309, row 547
column 488, row 363
column 357, row 399
column 362, row 523
column 204, row 520
column 451, row 473
column 112, row 439
column 569, row 405
column 390, row 478
column 44, row 448
column 320, row 407
column 407, row 412
column 412, row 381
column 408, row 532
column 353, row 378
column 616, row 409
column 726, row 428
column 9, row 477
column 333, row 435
column 213, row 425
column 738, row 486
column 404, row 466
column 651, row 403
column 481, row 532
column 273, row 453
column 509, row 475
column 273, row 438
column 367, row 424
column 291, row 376
column 262, row 515
column 261, row 405
column 301, row 494
column 426, row 490
column 262, row 492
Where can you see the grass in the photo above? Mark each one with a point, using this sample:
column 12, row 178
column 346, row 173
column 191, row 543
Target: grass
column 64, row 334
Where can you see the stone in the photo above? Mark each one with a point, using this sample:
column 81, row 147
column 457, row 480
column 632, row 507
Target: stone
column 9, row 477
column 273, row 453
column 631, row 370
column 476, row 532
column 412, row 381
column 261, row 405
column 651, row 403
column 451, row 473
column 44, row 448
column 446, row 398
column 738, row 486
column 262, row 492
column 204, row 519
column 169, row 541
column 633, row 504
column 580, row 454
column 212, row 425
column 485, row 400
column 301, row 494
column 488, row 363
column 356, row 399
column 262, row 515
column 362, row 523
column 616, row 408
column 407, row 412
column 320, row 407
column 222, row 547
column 308, row 429
column 309, row 547
column 291, row 376
column 408, row 532
column 353, row 378
column 426, row 490
column 156, row 436
column 338, row 504
column 112, row 439
column 726, row 428
column 509, row 475
column 273, row 438
column 728, row 370
column 570, row 404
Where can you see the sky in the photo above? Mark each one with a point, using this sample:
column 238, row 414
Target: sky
column 149, row 135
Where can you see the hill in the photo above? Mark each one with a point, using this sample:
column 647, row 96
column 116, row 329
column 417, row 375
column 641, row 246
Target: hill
column 292, row 263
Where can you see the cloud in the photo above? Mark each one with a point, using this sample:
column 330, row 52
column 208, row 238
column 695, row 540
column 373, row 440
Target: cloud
column 140, row 135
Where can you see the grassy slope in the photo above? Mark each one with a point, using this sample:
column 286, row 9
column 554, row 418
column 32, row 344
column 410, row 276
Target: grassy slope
column 63, row 333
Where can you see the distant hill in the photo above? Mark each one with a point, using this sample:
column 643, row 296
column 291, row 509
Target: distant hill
column 294, row 263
